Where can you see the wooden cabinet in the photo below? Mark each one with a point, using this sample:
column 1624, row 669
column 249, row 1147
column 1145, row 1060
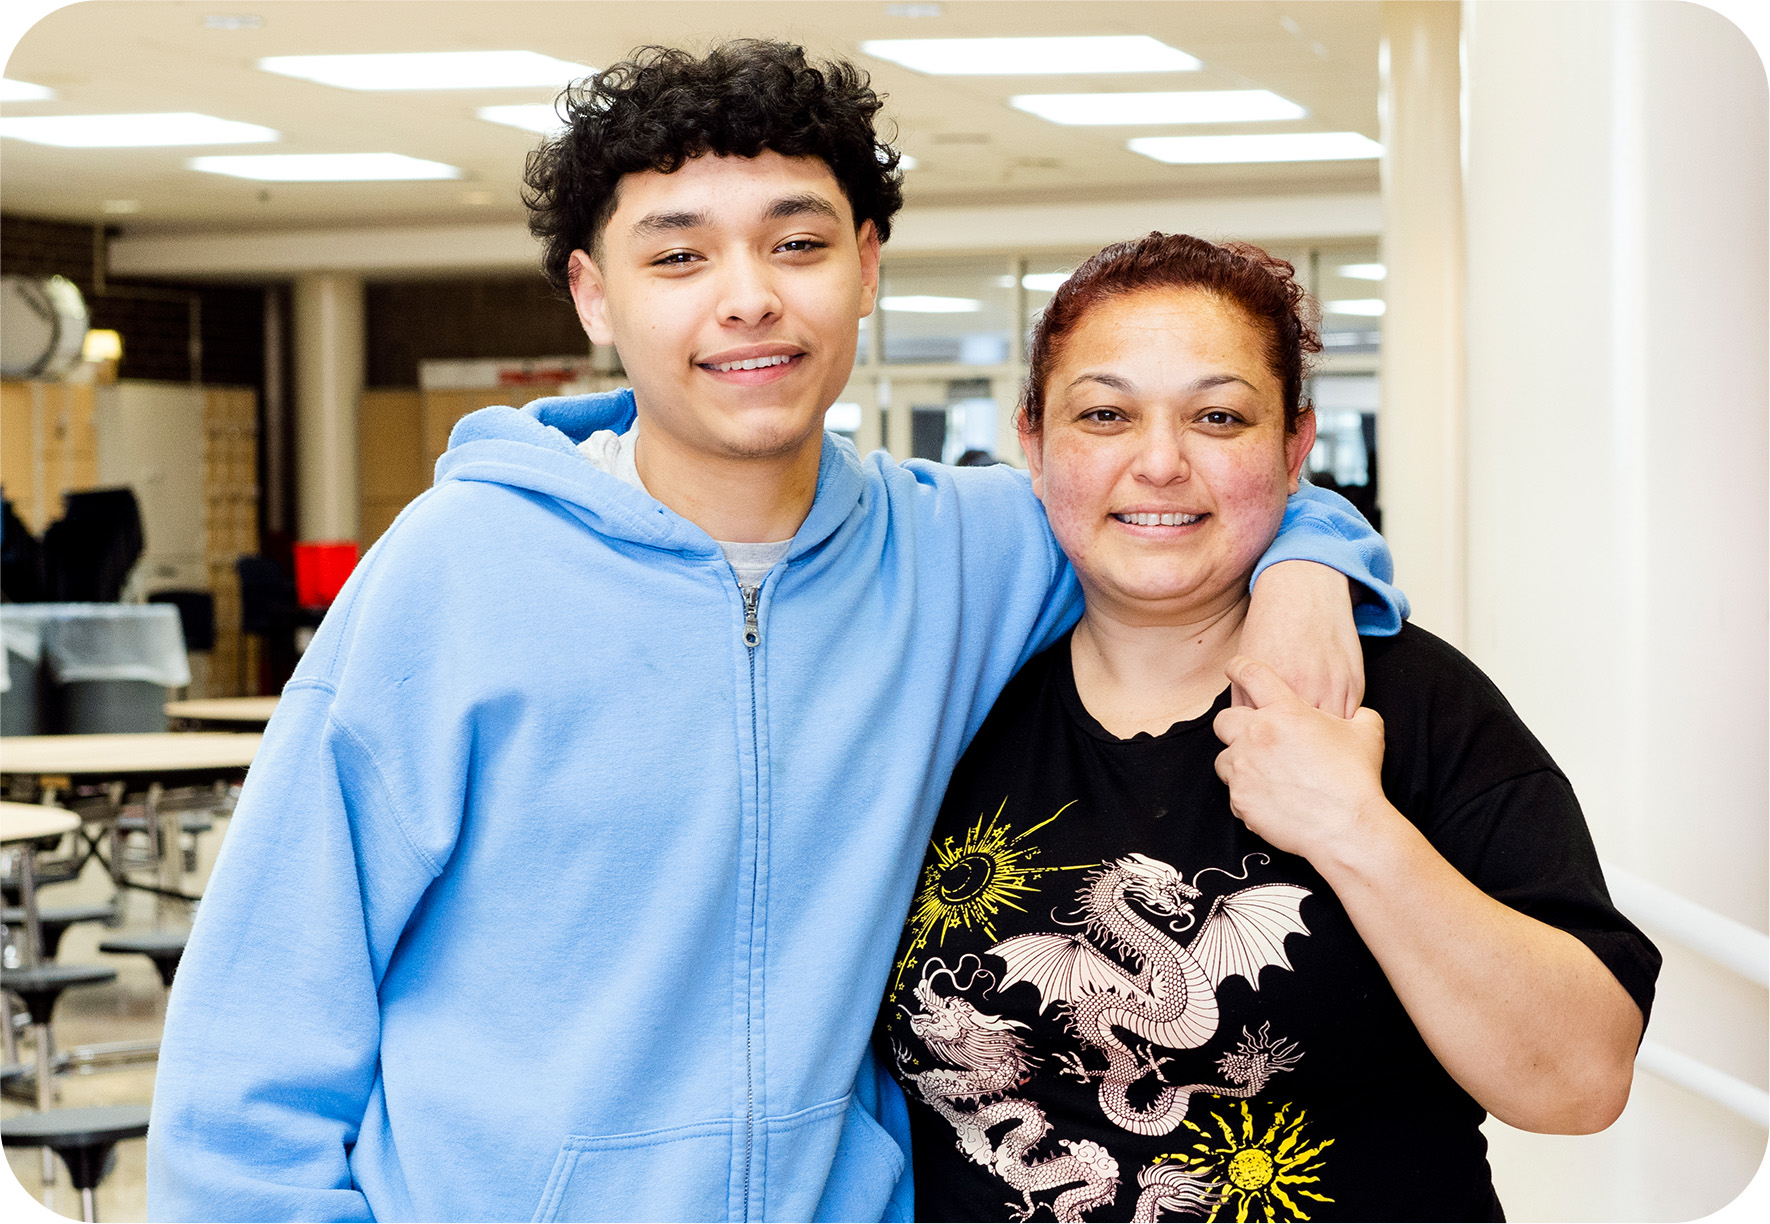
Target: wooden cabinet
column 402, row 432
column 48, row 447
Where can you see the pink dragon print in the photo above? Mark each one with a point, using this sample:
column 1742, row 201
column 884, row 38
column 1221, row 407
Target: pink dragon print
column 1170, row 1001
column 987, row 1060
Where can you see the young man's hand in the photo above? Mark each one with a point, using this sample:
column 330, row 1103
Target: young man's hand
column 1300, row 622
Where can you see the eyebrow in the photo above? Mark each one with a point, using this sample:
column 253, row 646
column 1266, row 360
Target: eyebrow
column 802, row 205
column 1106, row 380
column 664, row 222
column 1128, row 387
column 805, row 204
column 1218, row 380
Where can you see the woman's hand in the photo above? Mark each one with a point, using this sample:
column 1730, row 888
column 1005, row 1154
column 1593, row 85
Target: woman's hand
column 1523, row 1015
column 1302, row 779
column 1300, row 621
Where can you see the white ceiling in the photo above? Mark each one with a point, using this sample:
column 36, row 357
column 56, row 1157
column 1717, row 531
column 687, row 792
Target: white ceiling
column 150, row 55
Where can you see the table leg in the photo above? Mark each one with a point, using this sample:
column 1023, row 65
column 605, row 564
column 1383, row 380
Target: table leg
column 115, row 792
column 46, row 1101
column 171, row 852
column 27, row 899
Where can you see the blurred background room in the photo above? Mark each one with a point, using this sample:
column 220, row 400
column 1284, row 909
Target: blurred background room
column 258, row 258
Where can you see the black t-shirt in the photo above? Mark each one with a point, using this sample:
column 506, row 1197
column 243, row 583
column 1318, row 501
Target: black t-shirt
column 1114, row 1001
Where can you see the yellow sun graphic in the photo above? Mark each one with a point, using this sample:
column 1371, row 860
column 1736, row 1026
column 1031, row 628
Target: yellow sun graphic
column 968, row 884
column 1257, row 1177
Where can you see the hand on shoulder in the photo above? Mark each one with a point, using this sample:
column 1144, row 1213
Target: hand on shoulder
column 1303, row 779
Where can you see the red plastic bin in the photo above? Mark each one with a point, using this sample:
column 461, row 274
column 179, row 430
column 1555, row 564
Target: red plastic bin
column 321, row 567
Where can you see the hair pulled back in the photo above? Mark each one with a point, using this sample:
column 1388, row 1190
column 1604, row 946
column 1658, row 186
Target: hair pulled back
column 1263, row 286
column 663, row 106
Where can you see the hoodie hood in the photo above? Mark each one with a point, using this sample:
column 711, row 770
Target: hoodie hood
column 534, row 449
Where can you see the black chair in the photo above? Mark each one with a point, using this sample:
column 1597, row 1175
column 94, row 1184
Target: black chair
column 269, row 609
column 54, row 921
column 89, row 551
column 196, row 615
column 21, row 559
column 85, row 1139
column 164, row 948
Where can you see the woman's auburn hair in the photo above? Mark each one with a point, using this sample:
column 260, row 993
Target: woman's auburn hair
column 1262, row 285
column 664, row 105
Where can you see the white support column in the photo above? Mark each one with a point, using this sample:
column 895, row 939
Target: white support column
column 1421, row 429
column 1619, row 557
column 899, row 419
column 328, row 382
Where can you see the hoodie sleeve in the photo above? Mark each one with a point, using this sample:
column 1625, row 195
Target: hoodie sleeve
column 273, row 1033
column 1321, row 526
column 270, row 1057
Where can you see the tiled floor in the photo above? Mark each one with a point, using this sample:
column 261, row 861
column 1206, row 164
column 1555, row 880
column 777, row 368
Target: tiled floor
column 131, row 1008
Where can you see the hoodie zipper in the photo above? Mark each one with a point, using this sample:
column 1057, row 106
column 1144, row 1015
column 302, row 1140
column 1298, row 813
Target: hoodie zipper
column 752, row 639
column 752, row 633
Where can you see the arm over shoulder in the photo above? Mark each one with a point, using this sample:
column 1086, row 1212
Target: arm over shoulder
column 1321, row 526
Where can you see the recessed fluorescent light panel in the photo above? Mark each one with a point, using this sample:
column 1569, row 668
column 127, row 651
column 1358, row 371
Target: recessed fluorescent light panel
column 1192, row 106
column 1032, row 56
column 1369, row 307
column 1269, row 147
column 529, row 116
column 1044, row 282
column 133, row 131
column 430, row 70
column 925, row 303
column 326, row 167
column 1370, row 271
column 24, row 91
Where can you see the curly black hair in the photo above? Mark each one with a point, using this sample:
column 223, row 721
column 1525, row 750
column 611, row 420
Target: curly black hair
column 664, row 105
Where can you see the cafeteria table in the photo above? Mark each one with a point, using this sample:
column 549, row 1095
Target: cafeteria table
column 148, row 761
column 21, row 826
column 221, row 713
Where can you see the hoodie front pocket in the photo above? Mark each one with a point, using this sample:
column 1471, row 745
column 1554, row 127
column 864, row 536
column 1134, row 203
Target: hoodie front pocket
column 683, row 1173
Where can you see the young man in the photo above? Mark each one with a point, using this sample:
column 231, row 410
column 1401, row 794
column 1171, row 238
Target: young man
column 568, row 877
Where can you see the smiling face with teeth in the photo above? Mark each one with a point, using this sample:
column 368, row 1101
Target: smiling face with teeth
column 1162, row 457
column 733, row 289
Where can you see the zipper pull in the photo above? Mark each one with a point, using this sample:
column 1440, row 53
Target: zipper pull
column 752, row 630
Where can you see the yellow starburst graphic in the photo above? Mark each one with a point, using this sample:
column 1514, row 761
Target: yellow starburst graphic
column 1257, row 1177
column 968, row 884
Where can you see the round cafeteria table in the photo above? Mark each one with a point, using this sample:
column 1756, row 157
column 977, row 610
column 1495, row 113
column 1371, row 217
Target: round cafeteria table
column 22, row 824
column 222, row 713
column 150, row 760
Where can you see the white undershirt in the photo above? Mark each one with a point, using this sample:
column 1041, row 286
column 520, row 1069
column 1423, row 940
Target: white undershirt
column 613, row 453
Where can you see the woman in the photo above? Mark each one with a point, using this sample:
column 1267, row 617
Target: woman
column 1132, row 988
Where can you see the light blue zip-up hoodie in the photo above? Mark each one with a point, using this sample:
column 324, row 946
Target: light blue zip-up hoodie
column 548, row 897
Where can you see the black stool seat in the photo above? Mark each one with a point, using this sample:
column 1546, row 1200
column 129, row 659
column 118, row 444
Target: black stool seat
column 42, row 986
column 190, row 822
column 54, row 920
column 164, row 948
column 83, row 1138
column 74, row 1128
column 51, row 871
